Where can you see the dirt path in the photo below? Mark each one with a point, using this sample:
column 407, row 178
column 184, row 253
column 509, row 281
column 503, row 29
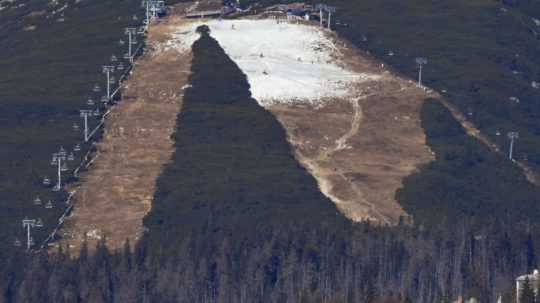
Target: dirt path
column 116, row 193
column 359, row 150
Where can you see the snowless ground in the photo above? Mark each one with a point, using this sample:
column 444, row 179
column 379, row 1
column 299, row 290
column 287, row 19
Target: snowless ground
column 285, row 63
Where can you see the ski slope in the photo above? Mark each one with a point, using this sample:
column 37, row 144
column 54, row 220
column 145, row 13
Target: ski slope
column 284, row 63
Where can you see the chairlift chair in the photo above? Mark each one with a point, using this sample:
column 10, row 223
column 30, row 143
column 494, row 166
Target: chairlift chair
column 114, row 58
column 120, row 66
column 64, row 167
column 75, row 127
column 121, row 42
column 37, row 201
column 17, row 243
column 46, row 181
column 77, row 147
column 49, row 205
column 71, row 157
column 90, row 102
column 104, row 99
column 96, row 112
column 97, row 88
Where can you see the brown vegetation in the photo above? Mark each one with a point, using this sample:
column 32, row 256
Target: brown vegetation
column 115, row 195
column 360, row 149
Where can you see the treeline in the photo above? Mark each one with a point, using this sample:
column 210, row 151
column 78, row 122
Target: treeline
column 361, row 263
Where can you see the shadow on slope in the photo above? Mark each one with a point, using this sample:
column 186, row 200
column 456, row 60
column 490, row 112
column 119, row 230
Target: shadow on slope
column 232, row 169
column 466, row 180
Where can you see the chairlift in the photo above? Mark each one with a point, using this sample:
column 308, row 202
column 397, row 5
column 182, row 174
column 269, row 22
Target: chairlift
column 37, row 201
column 77, row 147
column 17, row 243
column 97, row 88
column 46, row 181
column 71, row 157
column 49, row 205
column 64, row 167
column 90, row 102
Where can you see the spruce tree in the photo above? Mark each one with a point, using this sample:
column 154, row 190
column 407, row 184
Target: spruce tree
column 527, row 292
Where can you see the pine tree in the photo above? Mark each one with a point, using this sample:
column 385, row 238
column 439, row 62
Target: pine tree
column 527, row 293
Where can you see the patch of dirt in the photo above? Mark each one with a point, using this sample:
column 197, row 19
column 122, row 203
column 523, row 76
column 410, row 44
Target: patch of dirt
column 360, row 149
column 116, row 194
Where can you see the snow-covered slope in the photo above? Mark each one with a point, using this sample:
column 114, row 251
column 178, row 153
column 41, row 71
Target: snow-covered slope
column 284, row 63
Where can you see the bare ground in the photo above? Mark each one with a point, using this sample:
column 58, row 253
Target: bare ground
column 116, row 194
column 360, row 149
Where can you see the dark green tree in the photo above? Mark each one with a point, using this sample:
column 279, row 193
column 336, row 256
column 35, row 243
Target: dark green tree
column 527, row 293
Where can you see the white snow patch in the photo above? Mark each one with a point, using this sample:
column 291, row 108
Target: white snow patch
column 284, row 63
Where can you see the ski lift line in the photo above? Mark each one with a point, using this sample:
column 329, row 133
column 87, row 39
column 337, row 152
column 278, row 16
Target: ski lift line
column 95, row 129
column 92, row 161
column 61, row 220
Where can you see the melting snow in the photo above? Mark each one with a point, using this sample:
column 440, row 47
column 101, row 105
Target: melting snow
column 284, row 63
